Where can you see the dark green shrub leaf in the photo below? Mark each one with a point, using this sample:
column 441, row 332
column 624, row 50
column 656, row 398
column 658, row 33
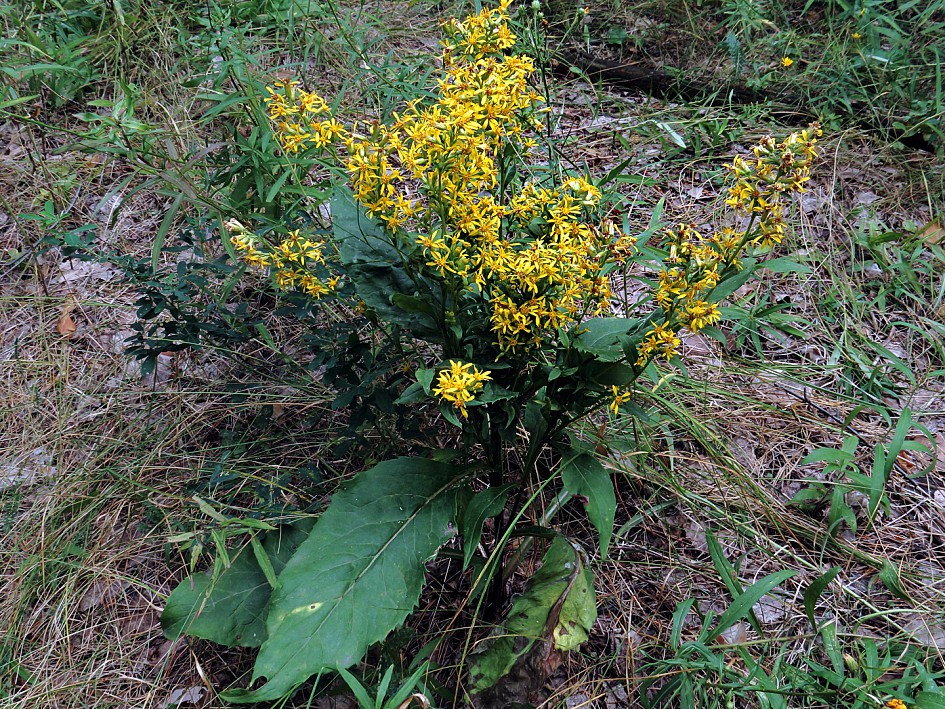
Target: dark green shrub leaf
column 358, row 575
column 582, row 474
column 608, row 373
column 603, row 337
column 481, row 507
column 376, row 269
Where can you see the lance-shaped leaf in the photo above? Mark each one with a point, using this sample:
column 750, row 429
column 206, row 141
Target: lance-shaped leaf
column 481, row 507
column 232, row 610
column 358, row 575
column 583, row 474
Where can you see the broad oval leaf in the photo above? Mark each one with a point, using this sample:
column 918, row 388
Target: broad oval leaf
column 582, row 474
column 578, row 612
column 376, row 269
column 232, row 610
column 358, row 575
column 930, row 700
column 544, row 611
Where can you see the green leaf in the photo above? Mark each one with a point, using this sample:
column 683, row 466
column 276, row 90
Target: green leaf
column 412, row 394
column 929, row 700
column 828, row 633
column 729, row 576
column 608, row 373
column 889, row 575
column 731, row 284
column 161, row 234
column 481, row 507
column 412, row 304
column 277, row 185
column 828, row 455
column 742, row 605
column 816, row 589
column 578, row 612
column 582, row 474
column 357, row 689
column 679, row 620
column 785, row 265
column 377, row 269
column 425, row 378
column 358, row 575
column 536, row 615
column 232, row 610
column 603, row 337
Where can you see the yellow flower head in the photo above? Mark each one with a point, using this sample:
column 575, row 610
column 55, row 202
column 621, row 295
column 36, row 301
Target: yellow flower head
column 786, row 62
column 896, row 704
column 620, row 398
column 460, row 383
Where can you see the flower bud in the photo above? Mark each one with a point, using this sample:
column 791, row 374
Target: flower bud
column 850, row 662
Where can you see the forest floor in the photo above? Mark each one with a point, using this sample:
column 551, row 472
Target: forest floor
column 840, row 342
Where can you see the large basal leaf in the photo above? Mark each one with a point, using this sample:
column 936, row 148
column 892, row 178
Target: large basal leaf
column 358, row 575
column 232, row 611
column 376, row 269
column 545, row 611
column 582, row 474
column 578, row 611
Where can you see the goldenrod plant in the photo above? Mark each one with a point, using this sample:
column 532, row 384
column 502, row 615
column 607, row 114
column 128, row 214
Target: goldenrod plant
column 491, row 266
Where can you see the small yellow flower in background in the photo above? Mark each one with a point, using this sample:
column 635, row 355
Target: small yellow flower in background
column 620, row 398
column 786, row 62
column 460, row 383
column 857, row 35
column 896, row 704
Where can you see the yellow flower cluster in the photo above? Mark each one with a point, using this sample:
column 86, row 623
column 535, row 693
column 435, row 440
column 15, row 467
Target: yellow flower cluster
column 292, row 260
column 460, row 383
column 759, row 185
column 896, row 704
column 302, row 119
column 694, row 264
column 437, row 179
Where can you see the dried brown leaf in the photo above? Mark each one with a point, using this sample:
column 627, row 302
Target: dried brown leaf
column 65, row 325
